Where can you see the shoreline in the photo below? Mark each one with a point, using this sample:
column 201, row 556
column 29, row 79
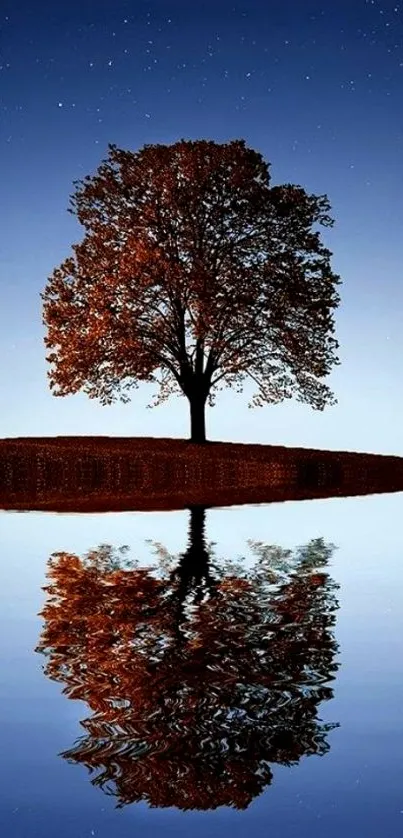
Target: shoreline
column 99, row 474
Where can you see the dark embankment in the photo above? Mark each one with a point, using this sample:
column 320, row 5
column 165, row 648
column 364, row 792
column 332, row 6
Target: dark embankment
column 94, row 474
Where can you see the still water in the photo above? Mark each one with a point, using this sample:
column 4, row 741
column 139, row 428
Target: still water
column 234, row 670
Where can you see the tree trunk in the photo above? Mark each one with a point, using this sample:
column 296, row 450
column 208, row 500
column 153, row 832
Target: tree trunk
column 197, row 418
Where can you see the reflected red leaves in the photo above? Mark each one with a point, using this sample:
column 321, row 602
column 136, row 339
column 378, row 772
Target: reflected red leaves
column 190, row 705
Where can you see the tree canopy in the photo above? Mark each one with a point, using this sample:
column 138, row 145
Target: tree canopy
column 194, row 273
column 199, row 674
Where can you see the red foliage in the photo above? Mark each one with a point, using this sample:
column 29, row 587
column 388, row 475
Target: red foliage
column 194, row 267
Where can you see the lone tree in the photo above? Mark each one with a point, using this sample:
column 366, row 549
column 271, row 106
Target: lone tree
column 193, row 272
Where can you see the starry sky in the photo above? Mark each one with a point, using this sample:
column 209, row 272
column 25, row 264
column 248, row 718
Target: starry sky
column 316, row 87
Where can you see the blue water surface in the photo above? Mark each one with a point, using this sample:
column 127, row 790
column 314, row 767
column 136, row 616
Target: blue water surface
column 354, row 789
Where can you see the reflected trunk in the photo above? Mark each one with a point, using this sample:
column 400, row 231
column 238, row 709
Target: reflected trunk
column 193, row 571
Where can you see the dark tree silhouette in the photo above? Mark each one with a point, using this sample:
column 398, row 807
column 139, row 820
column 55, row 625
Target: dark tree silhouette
column 199, row 676
column 194, row 273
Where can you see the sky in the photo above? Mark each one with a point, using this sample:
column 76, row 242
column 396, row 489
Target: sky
column 316, row 87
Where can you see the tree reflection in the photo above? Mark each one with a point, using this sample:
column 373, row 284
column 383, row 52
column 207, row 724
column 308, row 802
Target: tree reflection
column 199, row 674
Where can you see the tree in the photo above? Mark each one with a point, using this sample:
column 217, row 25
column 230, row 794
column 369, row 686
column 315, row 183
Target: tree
column 194, row 273
column 198, row 676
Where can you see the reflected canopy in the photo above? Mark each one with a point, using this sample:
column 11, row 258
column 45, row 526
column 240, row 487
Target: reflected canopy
column 199, row 674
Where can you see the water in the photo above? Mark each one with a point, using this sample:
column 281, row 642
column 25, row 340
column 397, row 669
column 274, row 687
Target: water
column 296, row 659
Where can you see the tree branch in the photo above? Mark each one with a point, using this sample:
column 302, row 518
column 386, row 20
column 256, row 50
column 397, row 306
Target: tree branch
column 199, row 356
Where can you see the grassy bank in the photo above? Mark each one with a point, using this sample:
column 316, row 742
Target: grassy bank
column 119, row 473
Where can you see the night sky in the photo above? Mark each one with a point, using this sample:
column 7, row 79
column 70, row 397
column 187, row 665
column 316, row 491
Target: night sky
column 316, row 87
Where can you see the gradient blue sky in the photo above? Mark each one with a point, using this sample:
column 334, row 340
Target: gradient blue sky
column 315, row 86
